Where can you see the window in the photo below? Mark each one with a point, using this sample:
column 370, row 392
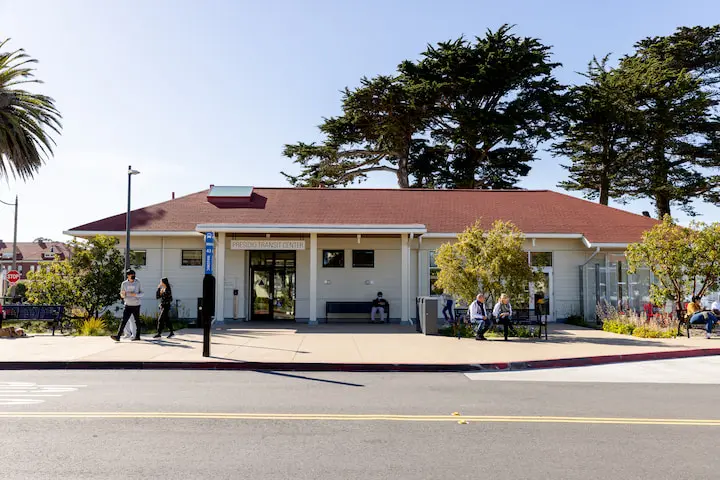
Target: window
column 434, row 270
column 138, row 258
column 334, row 258
column 363, row 258
column 541, row 259
column 192, row 258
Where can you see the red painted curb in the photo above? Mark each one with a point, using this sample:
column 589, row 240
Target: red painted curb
column 364, row 367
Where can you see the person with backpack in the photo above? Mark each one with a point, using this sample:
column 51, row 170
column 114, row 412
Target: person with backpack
column 164, row 294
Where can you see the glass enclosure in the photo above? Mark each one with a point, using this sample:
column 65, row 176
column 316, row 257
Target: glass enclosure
column 605, row 280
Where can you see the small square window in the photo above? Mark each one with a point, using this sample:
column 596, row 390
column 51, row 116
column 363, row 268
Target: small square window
column 138, row 258
column 192, row 258
column 363, row 258
column 334, row 258
column 541, row 259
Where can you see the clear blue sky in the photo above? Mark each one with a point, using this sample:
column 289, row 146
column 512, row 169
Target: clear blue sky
column 198, row 92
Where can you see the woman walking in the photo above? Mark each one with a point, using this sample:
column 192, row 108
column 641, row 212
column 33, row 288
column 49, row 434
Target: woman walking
column 164, row 294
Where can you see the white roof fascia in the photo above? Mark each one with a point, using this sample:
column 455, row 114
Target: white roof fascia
column 329, row 229
column 577, row 236
column 608, row 245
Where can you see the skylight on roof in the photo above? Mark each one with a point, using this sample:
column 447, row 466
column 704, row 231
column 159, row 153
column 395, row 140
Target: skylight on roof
column 230, row 192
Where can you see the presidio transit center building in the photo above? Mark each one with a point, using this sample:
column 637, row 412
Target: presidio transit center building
column 282, row 253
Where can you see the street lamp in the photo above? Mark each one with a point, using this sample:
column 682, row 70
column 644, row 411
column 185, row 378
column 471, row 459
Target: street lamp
column 131, row 172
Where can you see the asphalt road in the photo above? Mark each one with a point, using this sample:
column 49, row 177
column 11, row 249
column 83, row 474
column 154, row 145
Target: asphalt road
column 237, row 425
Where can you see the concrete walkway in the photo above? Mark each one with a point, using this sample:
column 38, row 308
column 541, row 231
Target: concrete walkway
column 340, row 344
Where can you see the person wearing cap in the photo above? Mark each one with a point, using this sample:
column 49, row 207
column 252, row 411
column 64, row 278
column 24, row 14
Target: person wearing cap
column 379, row 305
column 131, row 292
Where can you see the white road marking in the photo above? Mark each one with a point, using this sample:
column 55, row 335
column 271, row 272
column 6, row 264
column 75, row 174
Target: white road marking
column 29, row 392
column 699, row 371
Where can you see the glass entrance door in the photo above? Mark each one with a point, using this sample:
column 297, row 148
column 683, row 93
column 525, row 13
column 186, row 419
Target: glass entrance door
column 273, row 285
column 261, row 298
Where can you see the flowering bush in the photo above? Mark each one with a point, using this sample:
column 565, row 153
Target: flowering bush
column 660, row 325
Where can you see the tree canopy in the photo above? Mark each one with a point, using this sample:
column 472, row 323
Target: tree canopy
column 649, row 128
column 89, row 280
column 684, row 260
column 27, row 120
column 467, row 114
column 487, row 261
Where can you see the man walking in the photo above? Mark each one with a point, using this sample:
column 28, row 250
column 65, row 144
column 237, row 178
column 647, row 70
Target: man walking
column 478, row 315
column 131, row 292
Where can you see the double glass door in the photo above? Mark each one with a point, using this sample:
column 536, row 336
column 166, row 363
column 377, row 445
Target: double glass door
column 273, row 285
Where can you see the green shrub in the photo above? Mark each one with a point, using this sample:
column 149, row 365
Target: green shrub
column 468, row 331
column 614, row 326
column 645, row 332
column 93, row 327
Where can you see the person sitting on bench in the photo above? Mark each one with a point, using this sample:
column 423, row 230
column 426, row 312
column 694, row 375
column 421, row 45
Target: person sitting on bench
column 379, row 305
column 698, row 315
column 503, row 314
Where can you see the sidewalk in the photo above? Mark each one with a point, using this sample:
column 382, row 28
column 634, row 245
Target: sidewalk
column 342, row 346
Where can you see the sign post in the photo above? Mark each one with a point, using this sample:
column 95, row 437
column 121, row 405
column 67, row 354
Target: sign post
column 208, row 305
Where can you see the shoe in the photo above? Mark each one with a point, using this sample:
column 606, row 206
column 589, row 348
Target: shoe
column 115, row 337
column 707, row 335
column 172, row 334
column 157, row 336
column 135, row 339
column 480, row 338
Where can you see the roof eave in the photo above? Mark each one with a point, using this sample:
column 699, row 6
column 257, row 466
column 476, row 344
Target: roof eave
column 305, row 229
column 133, row 233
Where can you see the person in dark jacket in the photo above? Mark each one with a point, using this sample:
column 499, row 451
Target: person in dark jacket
column 164, row 294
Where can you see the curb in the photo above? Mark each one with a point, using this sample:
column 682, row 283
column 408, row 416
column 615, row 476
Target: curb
column 363, row 367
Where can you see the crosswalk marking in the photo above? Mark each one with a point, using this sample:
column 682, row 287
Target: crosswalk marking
column 697, row 371
column 28, row 392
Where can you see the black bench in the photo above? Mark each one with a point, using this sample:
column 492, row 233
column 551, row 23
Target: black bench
column 352, row 308
column 689, row 326
column 53, row 314
column 520, row 317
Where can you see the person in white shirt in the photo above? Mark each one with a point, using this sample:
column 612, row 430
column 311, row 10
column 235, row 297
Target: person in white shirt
column 503, row 313
column 479, row 316
column 715, row 307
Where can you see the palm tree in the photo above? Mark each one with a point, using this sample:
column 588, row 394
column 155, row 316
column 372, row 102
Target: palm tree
column 24, row 117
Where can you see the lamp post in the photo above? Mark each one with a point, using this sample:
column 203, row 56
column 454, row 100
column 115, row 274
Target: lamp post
column 131, row 172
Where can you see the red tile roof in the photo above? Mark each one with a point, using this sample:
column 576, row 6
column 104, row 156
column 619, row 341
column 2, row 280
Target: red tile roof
column 33, row 251
column 441, row 211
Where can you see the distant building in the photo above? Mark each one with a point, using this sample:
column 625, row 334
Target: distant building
column 31, row 254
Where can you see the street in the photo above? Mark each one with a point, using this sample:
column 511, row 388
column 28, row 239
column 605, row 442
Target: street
column 278, row 425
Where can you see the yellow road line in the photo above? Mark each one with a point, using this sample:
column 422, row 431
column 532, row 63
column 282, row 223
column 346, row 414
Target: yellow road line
column 367, row 418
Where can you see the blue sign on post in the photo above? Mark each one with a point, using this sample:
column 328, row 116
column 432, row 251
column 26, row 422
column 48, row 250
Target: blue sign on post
column 209, row 252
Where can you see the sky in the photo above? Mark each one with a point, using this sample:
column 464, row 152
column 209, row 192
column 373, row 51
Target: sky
column 193, row 93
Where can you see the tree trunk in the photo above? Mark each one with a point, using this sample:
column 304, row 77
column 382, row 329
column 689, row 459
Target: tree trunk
column 403, row 175
column 604, row 190
column 662, row 205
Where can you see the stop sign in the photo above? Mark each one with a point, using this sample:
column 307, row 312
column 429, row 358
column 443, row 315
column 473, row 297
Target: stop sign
column 13, row 276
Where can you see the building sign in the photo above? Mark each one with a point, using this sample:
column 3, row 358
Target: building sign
column 209, row 252
column 268, row 244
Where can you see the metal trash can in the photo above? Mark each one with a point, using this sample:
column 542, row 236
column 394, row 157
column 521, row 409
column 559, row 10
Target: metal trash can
column 428, row 315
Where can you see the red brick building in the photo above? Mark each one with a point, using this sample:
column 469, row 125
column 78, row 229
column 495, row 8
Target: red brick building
column 30, row 254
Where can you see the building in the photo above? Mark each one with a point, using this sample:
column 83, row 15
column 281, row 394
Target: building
column 282, row 253
column 31, row 254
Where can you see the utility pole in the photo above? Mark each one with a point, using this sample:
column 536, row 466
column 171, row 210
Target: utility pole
column 14, row 262
column 14, row 259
